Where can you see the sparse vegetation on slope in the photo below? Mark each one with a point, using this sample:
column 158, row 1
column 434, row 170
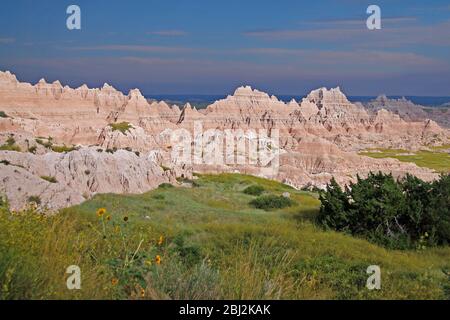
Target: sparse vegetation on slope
column 435, row 159
column 10, row 145
column 49, row 179
column 121, row 126
column 204, row 243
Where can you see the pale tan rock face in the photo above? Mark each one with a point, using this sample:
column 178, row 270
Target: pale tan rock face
column 319, row 138
column 78, row 176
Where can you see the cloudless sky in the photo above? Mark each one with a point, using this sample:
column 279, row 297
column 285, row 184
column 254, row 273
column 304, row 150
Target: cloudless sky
column 211, row 47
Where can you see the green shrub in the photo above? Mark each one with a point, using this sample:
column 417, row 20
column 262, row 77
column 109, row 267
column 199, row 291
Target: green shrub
column 165, row 186
column 254, row 190
column 271, row 202
column 49, row 179
column 62, row 149
column 399, row 214
column 47, row 144
column 3, row 114
column 34, row 199
column 112, row 151
column 32, row 149
column 123, row 127
column 10, row 145
column 165, row 168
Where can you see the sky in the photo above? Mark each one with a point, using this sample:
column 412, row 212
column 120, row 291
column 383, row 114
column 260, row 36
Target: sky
column 211, row 47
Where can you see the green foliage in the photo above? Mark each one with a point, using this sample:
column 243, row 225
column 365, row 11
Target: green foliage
column 32, row 149
column 123, row 127
column 49, row 179
column 10, row 145
column 254, row 190
column 34, row 199
column 112, row 151
column 165, row 168
column 271, row 202
column 3, row 114
column 165, row 186
column 398, row 214
column 47, row 144
column 10, row 148
column 62, row 149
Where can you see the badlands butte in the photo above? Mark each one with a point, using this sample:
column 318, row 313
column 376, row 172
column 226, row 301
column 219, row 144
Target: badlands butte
column 60, row 146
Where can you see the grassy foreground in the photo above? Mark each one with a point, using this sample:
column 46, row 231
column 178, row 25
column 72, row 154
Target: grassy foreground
column 204, row 242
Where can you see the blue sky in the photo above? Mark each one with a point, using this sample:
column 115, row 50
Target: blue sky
column 211, row 47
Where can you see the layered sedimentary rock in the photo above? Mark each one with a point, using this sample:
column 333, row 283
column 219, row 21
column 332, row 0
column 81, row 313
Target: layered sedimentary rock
column 113, row 142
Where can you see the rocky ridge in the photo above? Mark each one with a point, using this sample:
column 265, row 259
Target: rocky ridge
column 319, row 138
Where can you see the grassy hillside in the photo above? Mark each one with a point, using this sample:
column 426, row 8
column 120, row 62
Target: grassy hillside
column 436, row 159
column 204, row 242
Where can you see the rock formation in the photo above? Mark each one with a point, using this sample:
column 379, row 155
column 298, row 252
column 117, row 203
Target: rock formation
column 100, row 140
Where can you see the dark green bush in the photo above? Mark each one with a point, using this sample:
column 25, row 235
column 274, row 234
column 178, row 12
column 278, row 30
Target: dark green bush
column 254, row 190
column 397, row 214
column 34, row 199
column 165, row 186
column 271, row 202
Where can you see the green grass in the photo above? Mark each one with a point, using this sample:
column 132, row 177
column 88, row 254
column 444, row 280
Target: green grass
column 7, row 147
column 122, row 127
column 10, row 145
column 62, row 149
column 216, row 246
column 435, row 159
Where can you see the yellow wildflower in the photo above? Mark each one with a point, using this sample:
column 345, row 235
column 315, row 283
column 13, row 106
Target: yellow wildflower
column 158, row 259
column 115, row 281
column 161, row 240
column 101, row 212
